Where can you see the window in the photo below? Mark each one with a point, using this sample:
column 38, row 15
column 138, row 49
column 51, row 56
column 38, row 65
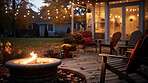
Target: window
column 30, row 27
column 50, row 27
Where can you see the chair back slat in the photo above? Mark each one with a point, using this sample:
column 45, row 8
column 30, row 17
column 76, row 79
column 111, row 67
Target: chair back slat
column 135, row 36
column 116, row 38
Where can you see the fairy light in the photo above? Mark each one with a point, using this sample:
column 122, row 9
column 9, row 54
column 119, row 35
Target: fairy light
column 70, row 2
column 120, row 1
column 6, row 12
column 63, row 16
column 6, row 8
column 82, row 2
column 57, row 12
column 41, row 17
column 48, row 17
column 64, row 8
column 56, row 9
column 25, row 16
column 66, row 11
column 78, row 2
column 15, row 14
column 38, row 13
column 88, row 1
column 27, row 13
column 70, row 15
column 32, row 16
column 48, row 13
column 96, row 3
column 118, row 16
column 126, row 9
column 101, row 3
column 28, row 10
column 110, row 16
column 90, row 4
column 17, row 10
column 56, row 16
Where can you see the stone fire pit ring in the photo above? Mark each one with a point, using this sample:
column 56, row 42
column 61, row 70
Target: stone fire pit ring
column 33, row 73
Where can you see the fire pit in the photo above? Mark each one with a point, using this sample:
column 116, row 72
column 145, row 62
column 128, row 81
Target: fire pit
column 39, row 70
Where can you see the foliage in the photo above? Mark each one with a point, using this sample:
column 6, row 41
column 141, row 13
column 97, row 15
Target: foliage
column 65, row 46
column 68, row 39
column 59, row 10
column 78, row 38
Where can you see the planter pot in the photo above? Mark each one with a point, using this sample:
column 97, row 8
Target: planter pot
column 66, row 53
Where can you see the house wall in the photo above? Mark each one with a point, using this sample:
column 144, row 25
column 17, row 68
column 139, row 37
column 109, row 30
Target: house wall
column 61, row 31
column 57, row 31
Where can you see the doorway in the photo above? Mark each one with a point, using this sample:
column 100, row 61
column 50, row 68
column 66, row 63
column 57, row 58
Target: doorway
column 124, row 19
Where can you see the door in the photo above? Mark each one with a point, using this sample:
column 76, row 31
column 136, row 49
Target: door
column 125, row 20
column 115, row 20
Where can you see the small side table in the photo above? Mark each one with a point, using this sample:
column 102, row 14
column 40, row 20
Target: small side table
column 122, row 49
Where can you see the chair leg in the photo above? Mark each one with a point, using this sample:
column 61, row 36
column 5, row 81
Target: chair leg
column 103, row 69
column 96, row 47
column 100, row 48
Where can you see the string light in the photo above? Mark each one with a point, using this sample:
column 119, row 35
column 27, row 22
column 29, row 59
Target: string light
column 27, row 13
column 63, row 16
column 70, row 2
column 41, row 17
column 118, row 16
column 96, row 3
column 6, row 8
column 88, row 1
column 28, row 10
column 48, row 17
column 48, row 13
column 32, row 16
column 56, row 9
column 57, row 12
column 56, row 16
column 17, row 10
column 64, row 8
column 38, row 13
column 78, row 2
column 101, row 3
column 6, row 12
column 24, row 15
column 82, row 2
column 90, row 4
column 15, row 14
column 70, row 15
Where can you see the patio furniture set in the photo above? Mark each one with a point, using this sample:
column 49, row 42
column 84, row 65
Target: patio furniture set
column 134, row 61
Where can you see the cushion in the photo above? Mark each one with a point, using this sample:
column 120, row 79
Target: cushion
column 133, row 65
column 90, row 43
column 103, row 44
column 87, row 39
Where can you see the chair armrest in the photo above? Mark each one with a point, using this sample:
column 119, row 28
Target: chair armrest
column 115, row 56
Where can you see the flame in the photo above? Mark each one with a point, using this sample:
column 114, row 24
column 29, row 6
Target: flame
column 31, row 59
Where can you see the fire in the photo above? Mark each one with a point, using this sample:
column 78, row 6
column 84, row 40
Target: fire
column 34, row 56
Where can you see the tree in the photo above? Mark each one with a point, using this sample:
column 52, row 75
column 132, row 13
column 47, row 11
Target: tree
column 15, row 10
column 59, row 12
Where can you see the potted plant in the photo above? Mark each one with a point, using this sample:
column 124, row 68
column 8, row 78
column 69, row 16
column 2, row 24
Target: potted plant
column 66, row 48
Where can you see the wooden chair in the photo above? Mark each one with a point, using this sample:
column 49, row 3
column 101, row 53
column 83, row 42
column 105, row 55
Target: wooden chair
column 123, row 69
column 135, row 36
column 116, row 37
column 87, row 36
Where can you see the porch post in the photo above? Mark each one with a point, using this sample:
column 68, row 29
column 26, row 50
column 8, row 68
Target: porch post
column 141, row 16
column 107, row 20
column 72, row 17
column 123, row 22
column 93, row 19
